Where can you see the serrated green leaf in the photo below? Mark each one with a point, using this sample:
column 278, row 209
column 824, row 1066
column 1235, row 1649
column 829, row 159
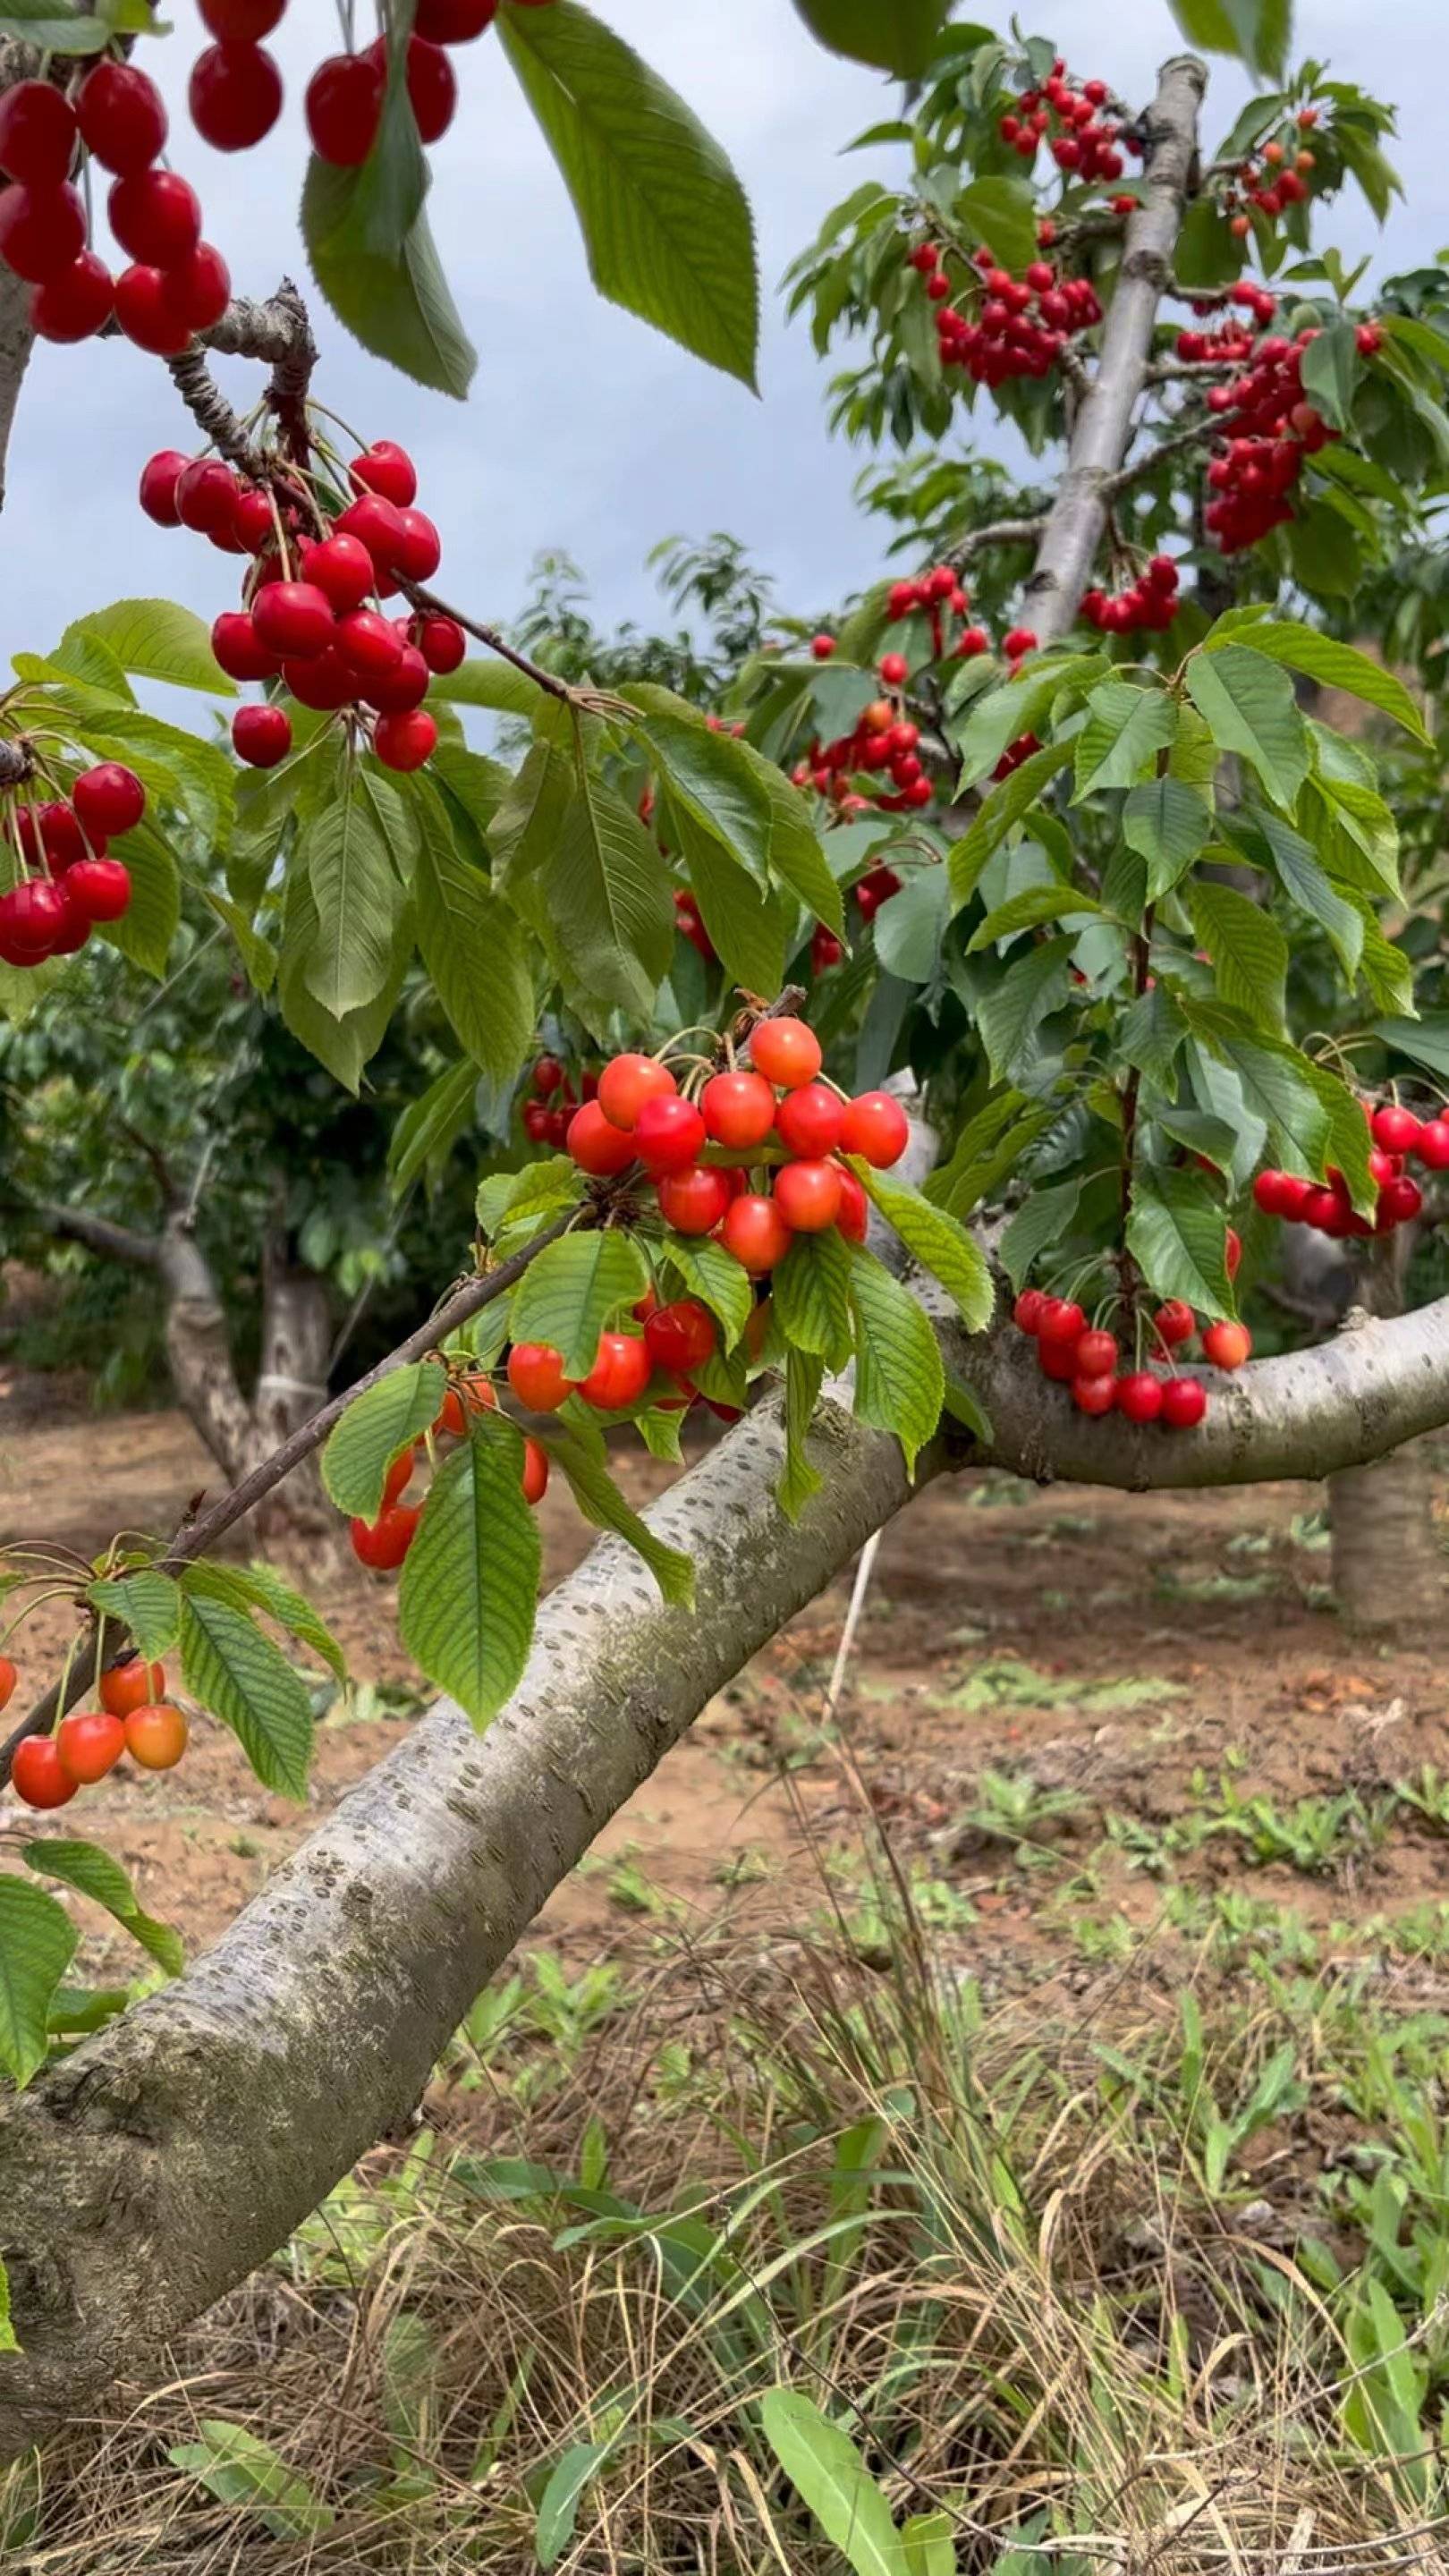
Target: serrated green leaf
column 1168, row 824
column 1150, row 1033
column 1032, row 909
column 1276, row 1082
column 1032, row 987
column 796, row 856
column 804, row 1378
column 1387, row 973
column 471, row 945
column 258, row 957
column 52, row 30
column 937, row 1240
column 900, row 1383
column 1001, row 212
column 712, row 775
column 1308, row 886
column 607, row 891
column 344, row 1046
column 93, row 1873
column 510, row 1202
column 376, row 1426
column 1176, row 1235
column 147, row 1604
column 246, row 1681
column 469, row 1589
column 747, row 923
column 359, row 900
column 1258, row 32
column 573, row 1292
column 660, row 1429
column 715, row 1277
column 602, row 1504
column 397, row 304
column 1330, row 368
column 1021, row 705
column 1125, row 726
column 666, row 224
column 1248, row 950
column 1424, row 1041
column 37, row 1943
column 1044, row 1216
column 256, row 1587
column 1339, row 666
column 1247, row 702
column 155, row 639
column 910, row 928
column 148, row 926
column 428, row 1128
column 1005, row 805
column 810, row 1292
column 1349, row 1139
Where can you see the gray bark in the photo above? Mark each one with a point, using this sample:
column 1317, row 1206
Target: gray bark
column 1387, row 1565
column 17, row 62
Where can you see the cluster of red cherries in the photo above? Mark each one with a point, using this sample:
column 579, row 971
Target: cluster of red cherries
column 1399, row 1137
column 311, row 610
column 1273, row 429
column 1080, row 135
column 134, row 1717
column 870, row 891
column 1231, row 345
column 382, row 1544
column 1279, row 177
column 1022, row 324
column 548, row 1112
column 1086, row 1358
column 882, row 742
column 1149, row 602
column 69, row 880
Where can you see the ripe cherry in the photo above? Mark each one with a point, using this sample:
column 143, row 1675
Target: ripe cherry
column 738, row 1109
column 441, row 642
column 37, row 1775
column 1096, row 1355
column 1175, row 1322
column 620, row 1373
column 1094, row 1394
column 156, row 1736
column 122, row 117
column 1227, row 1345
column 1061, row 1323
column 1184, row 1402
column 405, row 741
column 76, row 304
column 535, row 1472
column 1232, row 1252
column 1276, row 1193
column 383, row 1543
column 809, row 1121
column 387, row 469
column 547, row 1076
column 668, row 1132
column 808, row 1196
column 376, row 522
column 1432, row 1147
column 108, row 800
column 876, row 1126
column 1399, row 1202
column 239, row 649
column 37, row 134
column 344, row 108
column 241, row 22
column 398, row 691
column 132, row 1685
column 235, row 95
column 341, row 568
column 198, row 288
column 206, row 495
column 155, row 216
column 755, row 1232
column 100, row 888
column 160, row 476
column 89, row 1744
column 453, row 22
column 261, row 736
column 469, row 1395
column 596, row 1144
column 1139, row 1396
column 8, row 1679
column 294, row 617
column 785, row 1052
column 370, row 642
column 1026, row 1314
column 895, row 670
column 42, row 231
column 536, row 1375
column 418, row 548
column 399, row 1476
column 627, row 1081
column 1397, row 1130
column 680, row 1337
column 694, row 1201
column 62, row 839
column 853, row 1217
column 432, row 84
column 145, row 315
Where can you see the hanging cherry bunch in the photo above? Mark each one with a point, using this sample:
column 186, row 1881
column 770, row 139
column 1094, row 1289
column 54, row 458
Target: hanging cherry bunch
column 1327, row 1206
column 1231, row 344
column 883, row 743
column 328, row 544
column 67, row 879
column 1273, row 429
column 1021, row 325
column 1086, row 1357
column 1080, row 134
column 547, row 1113
column 1280, row 176
column 134, row 1718
column 1149, row 602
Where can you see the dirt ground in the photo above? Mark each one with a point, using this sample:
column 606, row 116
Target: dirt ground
column 1059, row 1700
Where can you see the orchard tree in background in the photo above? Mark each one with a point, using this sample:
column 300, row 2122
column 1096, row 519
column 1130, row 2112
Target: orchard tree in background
column 1039, row 838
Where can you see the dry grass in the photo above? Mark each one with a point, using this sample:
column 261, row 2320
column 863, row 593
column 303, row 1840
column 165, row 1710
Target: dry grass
column 988, row 2251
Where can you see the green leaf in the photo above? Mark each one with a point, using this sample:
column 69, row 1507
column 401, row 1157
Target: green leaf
column 1151, row 1032
column 246, row 1681
column 1248, row 950
column 602, row 1504
column 155, row 639
column 1424, row 1041
column 745, row 921
column 428, row 1129
column 910, row 928
column 608, row 894
column 515, row 1202
column 573, row 1292
column 1006, row 804
column 256, row 1587
column 899, row 39
column 344, row 1046
column 1125, row 726
column 93, row 1873
column 1023, row 705
column 1349, row 1140
column 245, row 2473
column 1042, row 1219
column 1330, row 370
column 1032, row 987
column 359, row 900
column 1258, row 32
column 715, row 1277
column 665, row 221
column 1339, row 666
column 147, row 1604
column 1177, row 1237
column 804, row 1377
column 1276, row 1085
column 52, row 30
column 900, row 1383
column 810, row 1292
column 9, row 2342
column 827, row 2472
column 715, row 777
column 396, row 303
column 1248, row 703
column 471, row 945
column 1307, row 884
column 796, row 855
column 377, row 1424
column 258, row 957
column 1324, row 551
column 558, row 2506
column 1388, row 974
column 1167, row 823
column 999, row 211
column 1030, row 910
column 469, row 1588
column 150, row 921
column 937, row 1240
column 37, row 1942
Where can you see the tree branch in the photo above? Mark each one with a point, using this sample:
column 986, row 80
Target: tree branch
column 18, row 62
column 1145, row 466
column 98, row 1234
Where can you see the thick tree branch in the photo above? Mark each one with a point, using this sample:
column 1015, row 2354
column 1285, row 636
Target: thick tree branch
column 98, row 1234
column 1103, row 426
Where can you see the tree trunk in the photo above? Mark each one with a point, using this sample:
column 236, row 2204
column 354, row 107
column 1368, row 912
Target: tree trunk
column 1387, row 1566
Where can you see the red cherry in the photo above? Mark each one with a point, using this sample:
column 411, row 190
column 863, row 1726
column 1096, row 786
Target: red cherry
column 156, row 1736
column 344, row 108
column 89, row 1744
column 341, row 568
column 453, row 22
column 62, row 839
column 1276, row 1193
column 73, row 932
column 8, row 1679
column 680, row 1337
column 1056, row 1359
column 547, row 1076
column 1184, row 1402
column 598, row 1146
column 160, row 476
column 398, row 691
column 822, row 646
column 76, row 304
column 261, row 736
column 42, row 231
column 1061, row 1323
column 155, row 216
column 441, row 642
column 1399, row 1201
column 370, row 642
column 877, row 1127
column 739, row 1109
column 1139, row 1396
column 37, row 1776
column 432, row 84
column 785, row 1052
column 419, row 548
column 206, row 495
column 128, row 1686
column 755, row 1232
column 235, row 95
column 536, row 1375
column 241, row 22
column 1397, row 1130
column 388, row 470
column 108, row 800
column 404, row 742
column 100, row 888
column 35, row 916
column 1018, row 640
column 322, row 681
column 668, row 1132
column 1175, row 1322
column 1232, row 1252
column 239, row 649
column 808, row 1196
column 1432, row 1145
column 620, row 1373
column 1094, row 1394
column 535, row 1472
column 694, row 1201
column 809, row 1121
column 384, row 1543
column 145, row 316
column 627, row 1081
column 37, row 134
column 294, row 617
column 1227, row 1345
column 376, row 522
column 895, row 670
column 1096, row 1355
column 122, row 117
column 1026, row 1314
column 198, row 289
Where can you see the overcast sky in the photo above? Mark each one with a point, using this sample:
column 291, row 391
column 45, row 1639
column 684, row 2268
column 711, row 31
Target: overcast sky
column 585, row 429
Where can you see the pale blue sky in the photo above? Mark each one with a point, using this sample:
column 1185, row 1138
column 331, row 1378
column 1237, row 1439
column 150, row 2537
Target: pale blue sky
column 585, row 429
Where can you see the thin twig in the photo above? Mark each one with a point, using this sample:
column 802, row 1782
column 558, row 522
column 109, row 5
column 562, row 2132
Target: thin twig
column 1147, row 464
column 859, row 1590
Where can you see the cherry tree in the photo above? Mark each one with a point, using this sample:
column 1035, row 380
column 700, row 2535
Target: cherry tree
column 1039, row 835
